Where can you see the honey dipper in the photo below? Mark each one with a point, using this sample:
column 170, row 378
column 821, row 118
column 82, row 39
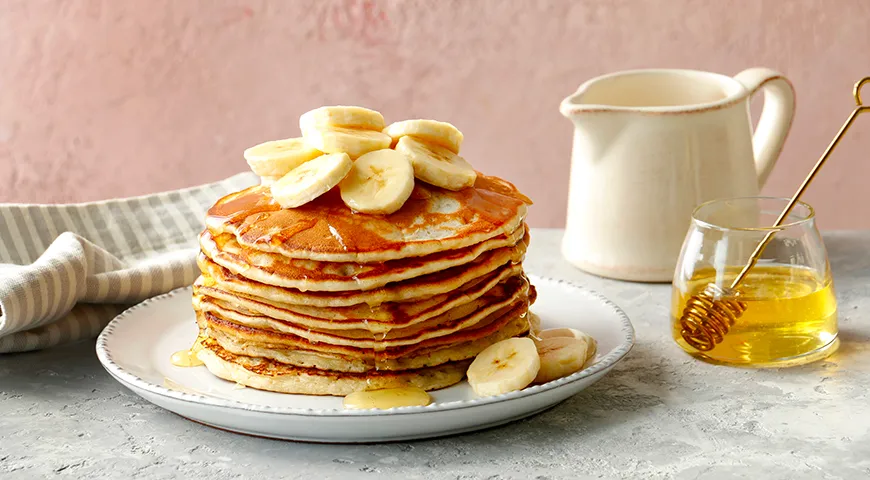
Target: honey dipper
column 709, row 315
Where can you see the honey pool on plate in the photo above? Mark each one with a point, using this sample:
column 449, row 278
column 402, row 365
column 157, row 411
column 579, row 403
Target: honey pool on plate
column 790, row 317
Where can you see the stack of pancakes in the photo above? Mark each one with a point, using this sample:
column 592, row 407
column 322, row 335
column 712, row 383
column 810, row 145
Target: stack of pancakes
column 320, row 300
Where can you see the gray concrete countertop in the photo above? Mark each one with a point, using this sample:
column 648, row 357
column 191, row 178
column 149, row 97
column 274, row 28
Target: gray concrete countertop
column 659, row 414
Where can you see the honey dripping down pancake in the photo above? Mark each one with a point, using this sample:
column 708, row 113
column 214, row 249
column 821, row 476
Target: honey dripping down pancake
column 372, row 256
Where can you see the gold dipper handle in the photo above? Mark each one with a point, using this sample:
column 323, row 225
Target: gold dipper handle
column 859, row 109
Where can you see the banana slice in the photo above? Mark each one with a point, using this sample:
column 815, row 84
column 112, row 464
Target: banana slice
column 341, row 116
column 353, row 141
column 560, row 357
column 591, row 349
column 591, row 344
column 437, row 165
column 311, row 180
column 277, row 157
column 380, row 182
column 504, row 366
column 432, row 131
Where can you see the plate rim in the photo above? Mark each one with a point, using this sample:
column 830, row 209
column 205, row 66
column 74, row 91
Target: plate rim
column 123, row 376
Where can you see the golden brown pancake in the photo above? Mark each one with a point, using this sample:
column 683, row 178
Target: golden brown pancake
column 460, row 318
column 386, row 314
column 432, row 220
column 441, row 313
column 363, row 363
column 266, row 374
column 417, row 288
column 482, row 328
column 313, row 275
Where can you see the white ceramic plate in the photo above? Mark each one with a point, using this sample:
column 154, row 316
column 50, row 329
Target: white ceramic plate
column 135, row 349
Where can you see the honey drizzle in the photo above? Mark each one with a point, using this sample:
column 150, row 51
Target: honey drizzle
column 386, row 398
column 187, row 358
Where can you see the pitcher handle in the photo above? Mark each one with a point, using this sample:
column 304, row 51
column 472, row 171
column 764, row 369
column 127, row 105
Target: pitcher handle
column 776, row 116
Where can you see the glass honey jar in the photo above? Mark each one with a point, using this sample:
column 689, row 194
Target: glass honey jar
column 789, row 308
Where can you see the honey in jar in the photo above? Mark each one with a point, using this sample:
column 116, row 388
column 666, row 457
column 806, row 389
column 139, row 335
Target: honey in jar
column 790, row 316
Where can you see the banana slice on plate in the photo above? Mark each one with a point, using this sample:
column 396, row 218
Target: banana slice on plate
column 504, row 366
column 432, row 131
column 591, row 344
column 311, row 180
column 353, row 141
column 380, row 182
column 437, row 165
column 277, row 157
column 560, row 357
column 342, row 116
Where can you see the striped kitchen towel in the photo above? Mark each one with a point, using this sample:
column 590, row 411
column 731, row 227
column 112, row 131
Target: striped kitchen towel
column 67, row 270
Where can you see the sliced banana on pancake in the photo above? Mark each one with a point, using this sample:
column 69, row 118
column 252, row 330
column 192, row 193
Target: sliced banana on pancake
column 342, row 116
column 311, row 180
column 277, row 157
column 560, row 357
column 437, row 165
column 503, row 367
column 353, row 141
column 591, row 344
column 432, row 131
column 380, row 182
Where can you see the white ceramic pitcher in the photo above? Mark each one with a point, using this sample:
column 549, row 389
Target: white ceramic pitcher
column 651, row 145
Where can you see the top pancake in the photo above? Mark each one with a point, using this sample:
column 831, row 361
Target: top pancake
column 432, row 220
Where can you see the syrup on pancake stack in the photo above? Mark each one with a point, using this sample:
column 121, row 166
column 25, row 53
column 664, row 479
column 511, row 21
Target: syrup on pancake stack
column 370, row 257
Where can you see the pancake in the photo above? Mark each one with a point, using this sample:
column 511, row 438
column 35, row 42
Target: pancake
column 481, row 328
column 350, row 329
column 312, row 275
column 431, row 220
column 462, row 317
column 265, row 374
column 385, row 314
column 363, row 363
column 425, row 286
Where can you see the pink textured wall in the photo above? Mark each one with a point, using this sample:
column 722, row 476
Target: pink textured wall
column 103, row 98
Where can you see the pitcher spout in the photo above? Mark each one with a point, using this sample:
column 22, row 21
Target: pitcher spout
column 579, row 102
column 608, row 93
